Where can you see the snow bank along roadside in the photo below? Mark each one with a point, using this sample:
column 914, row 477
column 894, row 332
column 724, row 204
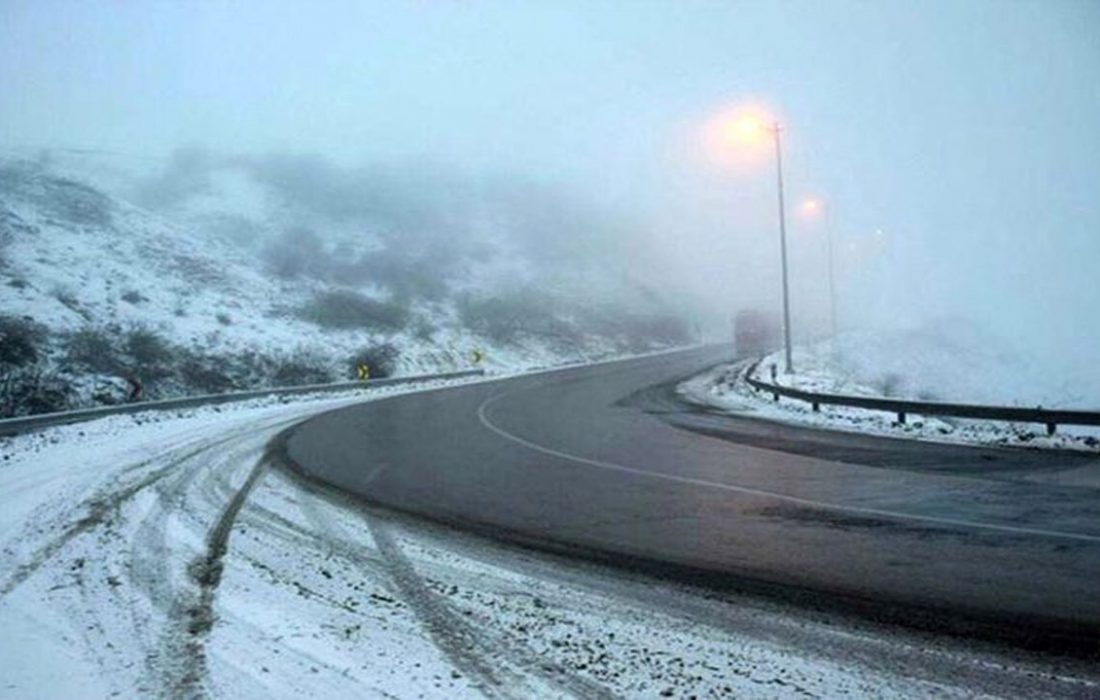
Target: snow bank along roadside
column 725, row 388
column 102, row 524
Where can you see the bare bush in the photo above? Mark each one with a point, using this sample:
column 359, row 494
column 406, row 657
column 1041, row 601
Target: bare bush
column 300, row 369
column 30, row 390
column 150, row 356
column 95, row 350
column 206, row 374
column 348, row 310
column 20, row 341
column 509, row 317
column 381, row 359
column 139, row 352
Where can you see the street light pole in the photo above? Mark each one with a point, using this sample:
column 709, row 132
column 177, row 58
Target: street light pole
column 788, row 368
column 832, row 274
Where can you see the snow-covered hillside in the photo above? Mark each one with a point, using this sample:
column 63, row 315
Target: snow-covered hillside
column 212, row 274
column 949, row 361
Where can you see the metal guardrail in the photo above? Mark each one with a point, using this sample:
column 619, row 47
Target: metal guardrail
column 23, row 424
column 1050, row 418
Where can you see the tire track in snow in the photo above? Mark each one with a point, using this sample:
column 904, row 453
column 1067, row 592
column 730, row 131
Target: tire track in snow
column 198, row 618
column 151, row 571
column 136, row 543
column 150, row 542
column 447, row 632
column 435, row 610
column 191, row 614
column 501, row 669
column 170, row 658
column 456, row 639
column 100, row 510
column 178, row 467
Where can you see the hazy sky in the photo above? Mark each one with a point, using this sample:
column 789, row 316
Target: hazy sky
column 966, row 132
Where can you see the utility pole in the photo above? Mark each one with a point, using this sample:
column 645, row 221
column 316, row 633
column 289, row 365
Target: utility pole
column 788, row 368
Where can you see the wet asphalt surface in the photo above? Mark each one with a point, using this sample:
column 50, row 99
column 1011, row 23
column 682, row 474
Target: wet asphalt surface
column 607, row 462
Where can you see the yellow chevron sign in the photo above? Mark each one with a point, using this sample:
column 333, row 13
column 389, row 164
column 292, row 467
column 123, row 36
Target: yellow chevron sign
column 477, row 356
column 362, row 371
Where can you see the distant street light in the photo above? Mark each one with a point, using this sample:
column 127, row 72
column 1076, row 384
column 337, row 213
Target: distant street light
column 814, row 208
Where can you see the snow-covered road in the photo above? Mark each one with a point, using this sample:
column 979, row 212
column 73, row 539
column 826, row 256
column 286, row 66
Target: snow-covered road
column 163, row 556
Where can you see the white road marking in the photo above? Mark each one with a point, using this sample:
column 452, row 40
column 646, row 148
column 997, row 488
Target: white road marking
column 859, row 510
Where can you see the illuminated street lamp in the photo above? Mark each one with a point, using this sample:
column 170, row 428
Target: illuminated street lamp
column 775, row 129
column 813, row 208
column 750, row 127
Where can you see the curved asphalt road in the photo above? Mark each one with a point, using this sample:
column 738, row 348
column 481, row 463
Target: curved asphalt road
column 604, row 460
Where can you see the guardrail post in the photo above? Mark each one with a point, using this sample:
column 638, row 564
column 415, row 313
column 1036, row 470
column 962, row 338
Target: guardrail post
column 1051, row 427
column 901, row 418
column 817, row 407
column 775, row 396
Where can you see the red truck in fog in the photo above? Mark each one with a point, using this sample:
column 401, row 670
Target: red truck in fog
column 755, row 332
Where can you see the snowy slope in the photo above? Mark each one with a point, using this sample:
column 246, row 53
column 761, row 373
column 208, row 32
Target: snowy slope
column 79, row 256
column 229, row 270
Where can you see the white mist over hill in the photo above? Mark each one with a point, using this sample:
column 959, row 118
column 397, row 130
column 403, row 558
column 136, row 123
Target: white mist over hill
column 213, row 273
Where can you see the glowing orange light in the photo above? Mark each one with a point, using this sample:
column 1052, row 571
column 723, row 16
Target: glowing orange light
column 812, row 208
column 734, row 136
column 750, row 128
